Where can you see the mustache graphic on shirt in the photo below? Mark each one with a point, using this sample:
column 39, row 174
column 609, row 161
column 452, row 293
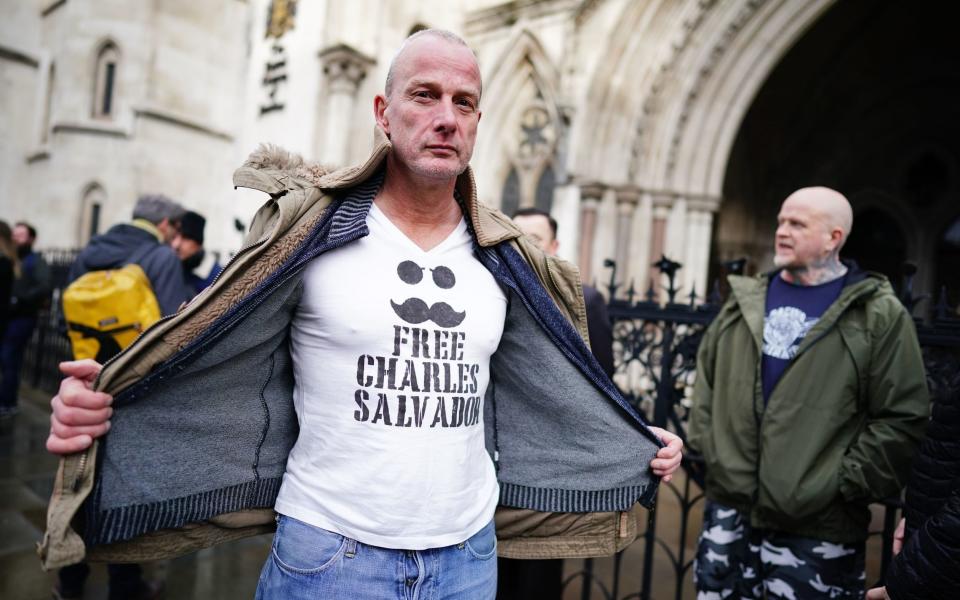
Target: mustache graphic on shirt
column 415, row 310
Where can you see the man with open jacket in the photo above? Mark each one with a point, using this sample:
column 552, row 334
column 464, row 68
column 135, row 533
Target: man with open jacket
column 383, row 363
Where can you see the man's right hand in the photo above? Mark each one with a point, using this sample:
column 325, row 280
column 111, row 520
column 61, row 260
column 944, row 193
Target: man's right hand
column 79, row 413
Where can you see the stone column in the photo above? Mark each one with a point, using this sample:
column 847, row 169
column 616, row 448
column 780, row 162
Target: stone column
column 641, row 232
column 344, row 68
column 658, row 236
column 698, row 237
column 566, row 210
column 590, row 195
column 627, row 199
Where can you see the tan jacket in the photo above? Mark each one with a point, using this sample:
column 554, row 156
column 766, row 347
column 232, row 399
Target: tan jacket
column 300, row 194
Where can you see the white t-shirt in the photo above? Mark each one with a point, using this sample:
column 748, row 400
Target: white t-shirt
column 391, row 349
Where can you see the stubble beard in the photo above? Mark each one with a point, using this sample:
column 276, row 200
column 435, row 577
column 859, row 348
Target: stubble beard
column 432, row 170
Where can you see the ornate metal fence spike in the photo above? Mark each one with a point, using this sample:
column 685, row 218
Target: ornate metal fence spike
column 651, row 294
column 669, row 268
column 631, row 293
column 693, row 296
column 613, row 285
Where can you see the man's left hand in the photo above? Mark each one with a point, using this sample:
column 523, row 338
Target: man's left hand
column 669, row 457
column 879, row 593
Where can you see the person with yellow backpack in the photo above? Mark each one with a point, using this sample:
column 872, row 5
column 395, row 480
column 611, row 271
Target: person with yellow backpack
column 125, row 280
column 120, row 284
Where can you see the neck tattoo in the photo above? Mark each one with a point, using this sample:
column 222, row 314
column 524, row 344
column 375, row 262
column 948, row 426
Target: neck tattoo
column 817, row 273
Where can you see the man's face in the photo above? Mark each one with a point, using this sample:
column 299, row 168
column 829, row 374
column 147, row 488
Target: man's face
column 537, row 228
column 184, row 247
column 433, row 109
column 803, row 235
column 21, row 237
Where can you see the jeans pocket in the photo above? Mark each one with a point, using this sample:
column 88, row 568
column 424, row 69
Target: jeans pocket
column 483, row 544
column 302, row 548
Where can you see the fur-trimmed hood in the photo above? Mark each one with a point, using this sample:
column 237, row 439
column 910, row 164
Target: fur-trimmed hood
column 270, row 167
column 269, row 156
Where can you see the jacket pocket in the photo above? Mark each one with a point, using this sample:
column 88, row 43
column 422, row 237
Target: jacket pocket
column 796, row 495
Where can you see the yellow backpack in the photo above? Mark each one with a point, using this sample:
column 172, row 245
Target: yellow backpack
column 106, row 310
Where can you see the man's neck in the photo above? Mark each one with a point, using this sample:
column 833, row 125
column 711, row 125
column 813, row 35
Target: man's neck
column 817, row 273
column 423, row 209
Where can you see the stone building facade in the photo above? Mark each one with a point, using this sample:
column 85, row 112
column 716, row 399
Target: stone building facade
column 646, row 127
column 107, row 99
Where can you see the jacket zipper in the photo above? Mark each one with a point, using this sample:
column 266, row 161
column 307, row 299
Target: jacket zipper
column 83, row 467
column 757, row 416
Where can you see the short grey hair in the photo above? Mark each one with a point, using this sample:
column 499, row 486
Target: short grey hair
column 157, row 207
column 439, row 33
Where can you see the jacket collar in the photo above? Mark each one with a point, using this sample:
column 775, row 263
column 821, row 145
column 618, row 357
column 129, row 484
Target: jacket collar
column 148, row 227
column 269, row 167
column 750, row 295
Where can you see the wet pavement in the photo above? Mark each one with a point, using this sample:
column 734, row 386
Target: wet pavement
column 227, row 572
column 230, row 571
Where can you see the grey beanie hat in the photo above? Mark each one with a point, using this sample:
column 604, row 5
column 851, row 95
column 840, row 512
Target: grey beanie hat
column 157, row 207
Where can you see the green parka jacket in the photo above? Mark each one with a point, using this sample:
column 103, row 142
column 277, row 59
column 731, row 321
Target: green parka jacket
column 839, row 429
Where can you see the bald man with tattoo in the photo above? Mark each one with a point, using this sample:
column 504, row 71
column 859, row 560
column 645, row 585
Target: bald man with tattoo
column 809, row 403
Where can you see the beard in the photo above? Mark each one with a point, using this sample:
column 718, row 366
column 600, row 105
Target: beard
column 433, row 170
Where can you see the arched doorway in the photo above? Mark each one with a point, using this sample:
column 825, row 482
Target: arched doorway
column 867, row 102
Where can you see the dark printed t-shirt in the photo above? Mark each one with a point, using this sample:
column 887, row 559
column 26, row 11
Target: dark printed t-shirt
column 791, row 311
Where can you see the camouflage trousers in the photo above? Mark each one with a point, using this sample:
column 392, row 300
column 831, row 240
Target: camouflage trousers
column 736, row 561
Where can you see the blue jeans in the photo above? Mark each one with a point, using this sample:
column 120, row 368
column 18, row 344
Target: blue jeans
column 307, row 562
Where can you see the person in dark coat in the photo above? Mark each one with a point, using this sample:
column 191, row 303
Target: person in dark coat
column 8, row 263
column 543, row 578
column 927, row 544
column 188, row 244
column 30, row 293
column 539, row 226
column 143, row 241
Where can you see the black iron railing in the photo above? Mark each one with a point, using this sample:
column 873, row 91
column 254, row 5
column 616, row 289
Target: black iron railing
column 49, row 344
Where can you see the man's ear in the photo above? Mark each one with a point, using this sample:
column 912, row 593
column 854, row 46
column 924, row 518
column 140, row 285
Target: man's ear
column 836, row 238
column 380, row 113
